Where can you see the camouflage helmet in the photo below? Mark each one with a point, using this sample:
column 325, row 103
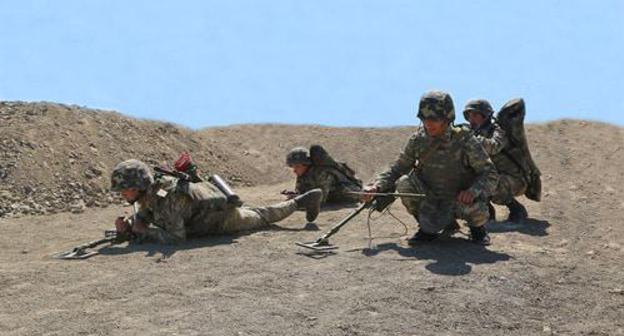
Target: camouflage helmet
column 436, row 105
column 480, row 106
column 298, row 155
column 131, row 174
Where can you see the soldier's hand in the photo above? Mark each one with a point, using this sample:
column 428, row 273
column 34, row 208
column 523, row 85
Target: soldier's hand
column 465, row 197
column 121, row 225
column 139, row 227
column 367, row 197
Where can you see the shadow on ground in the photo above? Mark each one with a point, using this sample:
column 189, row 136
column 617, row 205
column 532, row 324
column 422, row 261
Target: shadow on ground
column 530, row 226
column 166, row 251
column 451, row 256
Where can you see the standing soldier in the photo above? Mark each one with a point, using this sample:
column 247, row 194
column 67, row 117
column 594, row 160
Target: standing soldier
column 172, row 209
column 511, row 181
column 317, row 169
column 449, row 165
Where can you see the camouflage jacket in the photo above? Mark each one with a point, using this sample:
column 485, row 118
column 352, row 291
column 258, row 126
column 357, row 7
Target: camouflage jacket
column 333, row 183
column 176, row 210
column 495, row 141
column 446, row 165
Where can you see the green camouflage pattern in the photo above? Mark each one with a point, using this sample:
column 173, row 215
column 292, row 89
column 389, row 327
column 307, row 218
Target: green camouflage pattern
column 511, row 182
column 298, row 155
column 508, row 188
column 480, row 106
column 441, row 168
column 436, row 105
column 176, row 210
column 131, row 174
column 331, row 181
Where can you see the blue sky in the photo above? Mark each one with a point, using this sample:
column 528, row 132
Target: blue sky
column 329, row 62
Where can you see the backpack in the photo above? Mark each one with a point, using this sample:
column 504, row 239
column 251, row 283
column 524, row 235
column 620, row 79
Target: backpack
column 320, row 158
column 511, row 120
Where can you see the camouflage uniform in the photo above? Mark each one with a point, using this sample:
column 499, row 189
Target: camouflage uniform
column 495, row 142
column 330, row 180
column 179, row 209
column 334, row 185
column 511, row 180
column 441, row 167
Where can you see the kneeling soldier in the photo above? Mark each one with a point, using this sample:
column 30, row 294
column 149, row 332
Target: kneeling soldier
column 511, row 182
column 447, row 164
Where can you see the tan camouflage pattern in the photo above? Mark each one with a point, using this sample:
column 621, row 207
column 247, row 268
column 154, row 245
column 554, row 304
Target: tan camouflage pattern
column 331, row 181
column 511, row 182
column 131, row 174
column 450, row 164
column 436, row 105
column 175, row 212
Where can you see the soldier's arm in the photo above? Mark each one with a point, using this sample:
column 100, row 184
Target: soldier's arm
column 172, row 231
column 487, row 176
column 327, row 182
column 299, row 186
column 496, row 143
column 406, row 161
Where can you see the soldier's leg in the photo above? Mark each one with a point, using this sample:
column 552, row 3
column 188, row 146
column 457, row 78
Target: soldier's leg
column 411, row 184
column 476, row 215
column 250, row 218
column 434, row 216
column 508, row 187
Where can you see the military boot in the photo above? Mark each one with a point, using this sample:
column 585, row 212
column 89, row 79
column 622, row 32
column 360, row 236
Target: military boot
column 517, row 212
column 421, row 236
column 311, row 202
column 479, row 235
column 450, row 229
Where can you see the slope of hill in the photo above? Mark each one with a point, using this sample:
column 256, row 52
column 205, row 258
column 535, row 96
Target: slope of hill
column 57, row 157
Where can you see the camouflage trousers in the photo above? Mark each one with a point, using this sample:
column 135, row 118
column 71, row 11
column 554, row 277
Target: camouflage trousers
column 432, row 214
column 251, row 218
column 508, row 187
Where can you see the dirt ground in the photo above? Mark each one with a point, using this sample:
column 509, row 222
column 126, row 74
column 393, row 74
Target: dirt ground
column 560, row 273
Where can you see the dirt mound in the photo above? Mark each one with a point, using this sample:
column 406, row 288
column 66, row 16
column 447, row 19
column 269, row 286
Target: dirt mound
column 58, row 158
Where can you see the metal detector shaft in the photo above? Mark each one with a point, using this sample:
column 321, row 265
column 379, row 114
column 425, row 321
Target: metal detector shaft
column 322, row 243
column 337, row 227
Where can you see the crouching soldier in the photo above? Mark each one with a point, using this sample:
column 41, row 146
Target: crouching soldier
column 172, row 210
column 317, row 169
column 449, row 166
column 511, row 182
